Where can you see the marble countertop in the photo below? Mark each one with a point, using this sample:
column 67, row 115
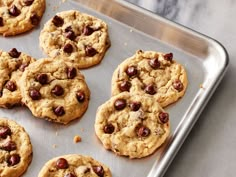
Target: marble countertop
column 209, row 150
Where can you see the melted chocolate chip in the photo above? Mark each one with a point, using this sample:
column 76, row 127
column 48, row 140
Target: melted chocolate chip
column 35, row 94
column 80, row 96
column 42, row 78
column 109, row 128
column 154, row 63
column 120, row 104
column 131, row 71
column 178, row 85
column 69, row 175
column 68, row 48
column 14, row 11
column 143, row 131
column 57, row 21
column 9, row 146
column 68, row 28
column 4, row 132
column 13, row 160
column 71, row 73
column 124, row 86
column 1, row 21
column 62, row 163
column 35, row 19
column 14, row 53
column 57, row 90
column 28, row 2
column 164, row 117
column 90, row 51
column 168, row 57
column 150, row 89
column 70, row 35
column 10, row 85
column 88, row 31
column 134, row 106
column 59, row 110
column 98, row 170
column 23, row 66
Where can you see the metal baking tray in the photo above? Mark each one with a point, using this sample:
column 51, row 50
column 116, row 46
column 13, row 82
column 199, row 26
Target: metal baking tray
column 130, row 28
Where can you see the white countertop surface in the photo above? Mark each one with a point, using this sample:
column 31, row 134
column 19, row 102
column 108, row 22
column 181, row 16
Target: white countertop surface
column 210, row 148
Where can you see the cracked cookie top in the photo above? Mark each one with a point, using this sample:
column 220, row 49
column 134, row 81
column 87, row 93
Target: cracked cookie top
column 55, row 90
column 18, row 16
column 12, row 66
column 132, row 125
column 151, row 73
column 76, row 37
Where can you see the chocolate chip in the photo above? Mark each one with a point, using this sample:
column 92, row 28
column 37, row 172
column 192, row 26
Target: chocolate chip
column 178, row 85
column 9, row 146
column 143, row 131
column 120, row 104
column 124, row 86
column 14, row 53
column 168, row 57
column 14, row 11
column 23, row 66
column 35, row 94
column 10, row 85
column 57, row 90
column 13, row 160
column 71, row 73
column 62, row 163
column 88, row 31
column 28, row 2
column 164, row 117
column 68, row 48
column 57, row 21
column 134, row 106
column 42, row 78
column 90, row 51
column 150, row 89
column 35, row 19
column 80, row 96
column 109, row 128
column 67, row 29
column 4, row 132
column 131, row 71
column 70, row 35
column 69, row 175
column 154, row 63
column 1, row 21
column 59, row 110
column 98, row 170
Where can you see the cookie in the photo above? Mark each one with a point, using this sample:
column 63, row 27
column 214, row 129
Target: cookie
column 12, row 66
column 19, row 16
column 75, row 36
column 151, row 73
column 74, row 165
column 132, row 125
column 54, row 90
column 15, row 149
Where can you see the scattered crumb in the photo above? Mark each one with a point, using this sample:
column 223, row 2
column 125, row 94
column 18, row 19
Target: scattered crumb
column 77, row 139
column 201, row 86
column 55, row 8
column 131, row 30
column 82, row 129
column 56, row 133
column 125, row 44
column 54, row 146
column 63, row 1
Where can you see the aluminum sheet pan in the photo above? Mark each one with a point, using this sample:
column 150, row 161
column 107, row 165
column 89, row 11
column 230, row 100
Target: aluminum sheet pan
column 131, row 28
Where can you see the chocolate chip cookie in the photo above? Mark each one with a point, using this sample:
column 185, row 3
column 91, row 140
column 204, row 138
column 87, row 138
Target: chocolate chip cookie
column 75, row 36
column 74, row 165
column 12, row 66
column 15, row 149
column 151, row 73
column 55, row 90
column 132, row 125
column 18, row 16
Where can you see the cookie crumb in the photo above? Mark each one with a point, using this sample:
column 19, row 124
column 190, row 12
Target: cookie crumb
column 131, row 30
column 54, row 146
column 77, row 139
column 56, row 133
column 201, row 86
column 125, row 44
column 82, row 129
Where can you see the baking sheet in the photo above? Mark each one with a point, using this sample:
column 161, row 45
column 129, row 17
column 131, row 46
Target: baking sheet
column 130, row 28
